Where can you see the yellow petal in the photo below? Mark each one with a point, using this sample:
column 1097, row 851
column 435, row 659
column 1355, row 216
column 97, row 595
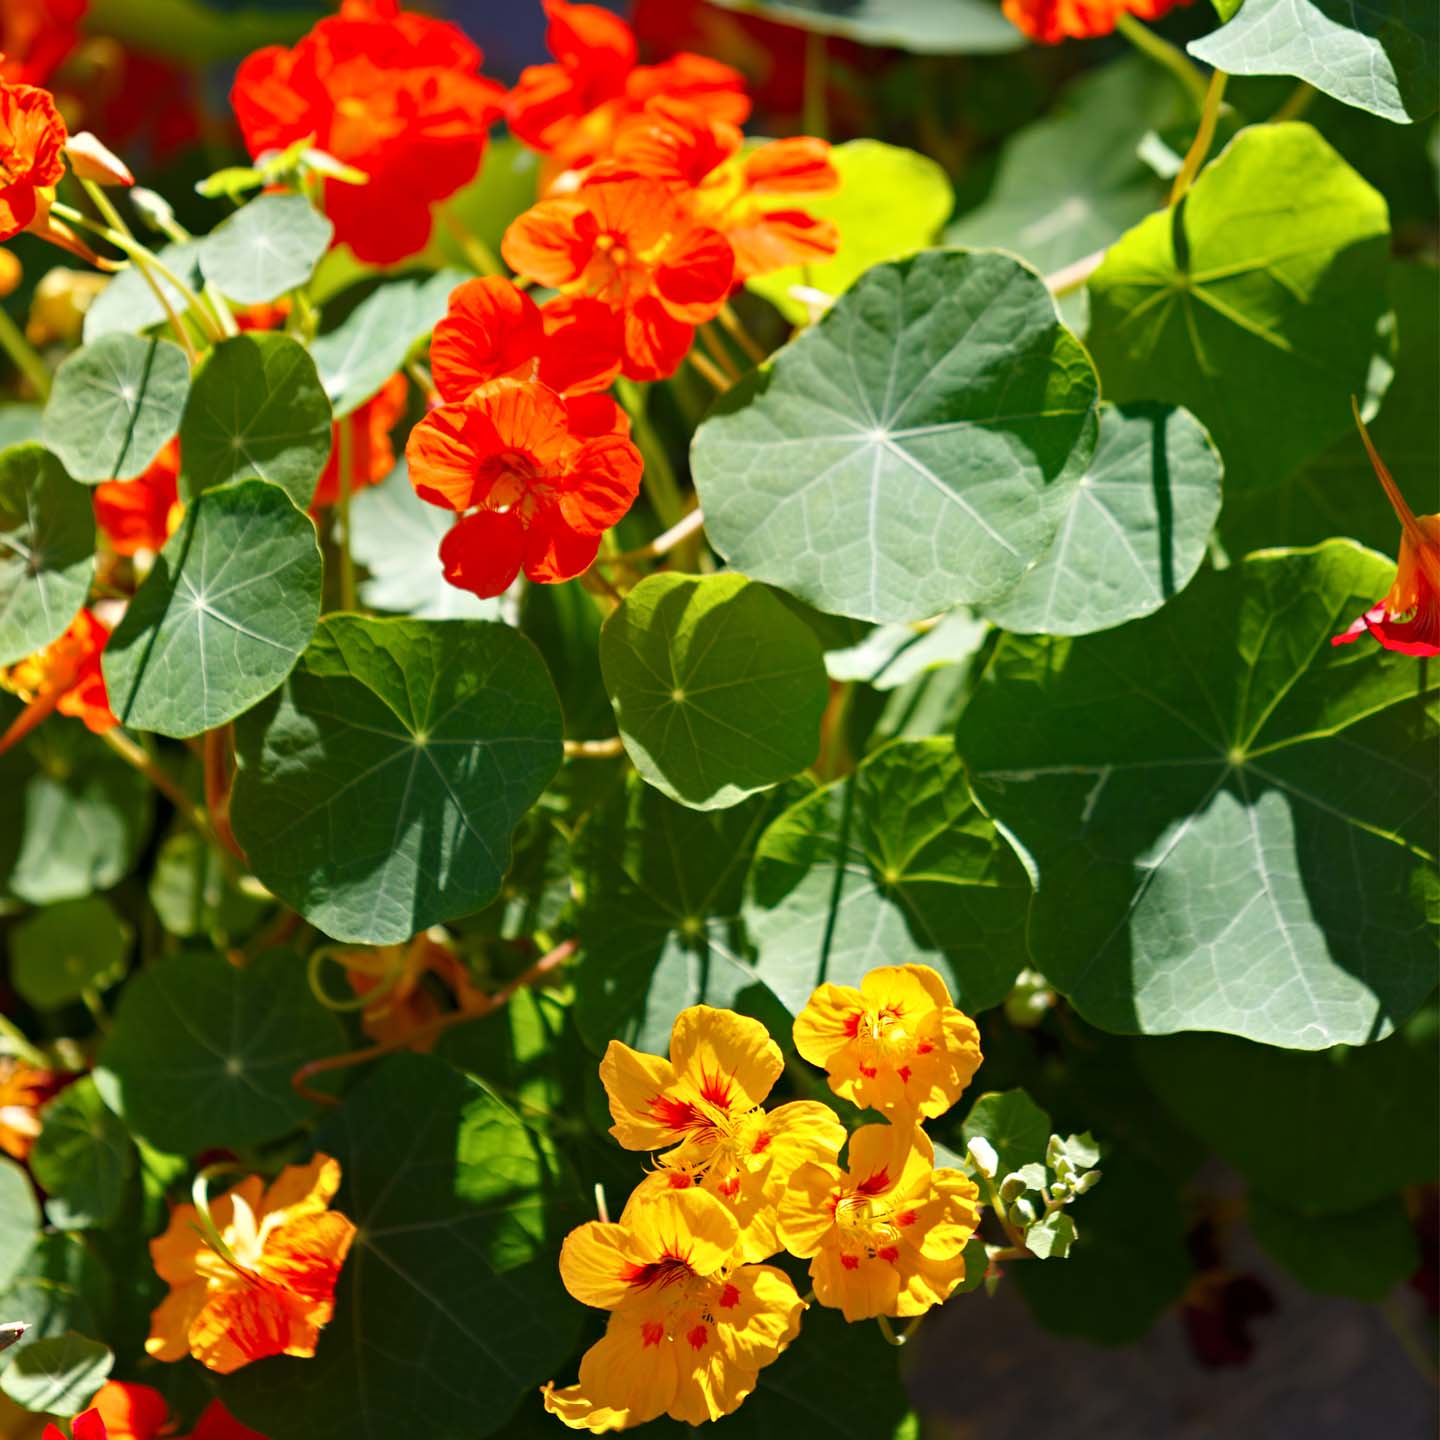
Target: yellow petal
column 687, row 1224
column 806, row 1215
column 171, row 1320
column 626, row 1378
column 885, row 1158
column 757, row 1314
column 598, row 1263
column 729, row 1060
column 302, row 1189
column 826, row 1026
column 913, row 988
column 861, row 1289
column 635, row 1082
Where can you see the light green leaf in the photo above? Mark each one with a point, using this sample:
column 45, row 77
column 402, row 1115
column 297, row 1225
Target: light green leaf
column 958, row 27
column 19, row 1220
column 62, row 1286
column 194, row 895
column 58, row 1376
column 128, row 304
column 1230, row 819
column 65, row 949
column 1364, row 1254
column 1229, row 301
column 891, row 202
column 370, row 344
column 718, row 689
column 200, row 1054
column 1051, row 1236
column 378, row 789
column 1377, row 55
column 265, row 248
column 1136, row 530
column 1013, row 1123
column 915, row 450
column 47, row 550
column 83, row 1158
column 893, row 655
column 892, row 865
column 19, row 424
column 114, row 405
column 221, row 619
column 454, row 1303
column 256, row 408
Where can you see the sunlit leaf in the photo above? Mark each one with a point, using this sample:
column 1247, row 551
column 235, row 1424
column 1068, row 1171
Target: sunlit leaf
column 265, row 248
column 958, row 27
column 58, row 1376
column 19, row 1219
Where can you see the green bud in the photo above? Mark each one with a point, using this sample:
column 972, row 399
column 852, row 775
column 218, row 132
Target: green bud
column 983, row 1157
column 1012, row 1187
column 1088, row 1181
column 153, row 209
column 1021, row 1214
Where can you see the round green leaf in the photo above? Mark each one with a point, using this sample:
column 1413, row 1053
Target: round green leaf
column 62, row 1286
column 129, row 304
column 194, row 893
column 1261, row 318
column 114, row 404
column 1364, row 1254
column 893, row 865
column 265, row 248
column 256, row 408
column 718, row 688
column 19, row 424
column 58, row 1376
column 958, row 27
column 378, row 789
column 200, row 1053
column 450, row 1305
column 1232, row 821
column 19, row 1220
column 1382, row 56
column 83, row 1159
column 223, row 616
column 65, row 949
column 915, row 450
column 891, row 202
column 47, row 550
column 1136, row 531
column 1016, row 1127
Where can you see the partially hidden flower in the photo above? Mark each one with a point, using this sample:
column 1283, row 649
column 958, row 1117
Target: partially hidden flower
column 138, row 1412
column 35, row 36
column 532, row 493
column 896, row 1044
column 1408, row 618
column 570, row 110
column 273, row 1289
column 394, row 976
column 887, row 1235
column 59, row 304
column 1051, row 21
column 142, row 514
column 23, row 1090
column 394, row 94
column 64, row 676
column 689, row 1329
column 32, row 157
column 367, row 443
column 626, row 239
column 704, row 1108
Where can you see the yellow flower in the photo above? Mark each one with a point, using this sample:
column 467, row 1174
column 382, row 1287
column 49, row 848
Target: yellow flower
column 703, row 1106
column 689, row 1330
column 888, row 1236
column 274, row 1290
column 897, row 1044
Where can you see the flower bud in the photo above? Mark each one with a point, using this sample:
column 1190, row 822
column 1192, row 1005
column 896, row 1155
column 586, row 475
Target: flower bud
column 1088, row 1181
column 1012, row 1187
column 153, row 209
column 91, row 160
column 983, row 1157
column 1021, row 1214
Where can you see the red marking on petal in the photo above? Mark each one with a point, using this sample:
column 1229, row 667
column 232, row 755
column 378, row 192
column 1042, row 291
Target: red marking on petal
column 906, row 1217
column 850, row 1262
column 662, row 1272
column 697, row 1337
column 888, row 1252
column 875, row 1184
column 924, row 1047
column 868, row 1071
column 652, row 1332
column 730, row 1188
column 678, row 1180
column 904, row 1073
column 852, row 1023
column 718, row 1090
column 675, row 1114
column 762, row 1143
column 729, row 1298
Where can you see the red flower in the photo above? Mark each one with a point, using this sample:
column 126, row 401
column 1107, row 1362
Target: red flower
column 136, row 1412
column 747, row 198
column 626, row 239
column 1051, row 21
column 372, row 457
column 541, row 495
column 141, row 514
column 35, row 36
column 64, row 676
column 1416, row 591
column 394, row 94
column 32, row 157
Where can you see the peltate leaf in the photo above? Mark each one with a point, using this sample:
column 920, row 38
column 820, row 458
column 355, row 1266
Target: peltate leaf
column 63, row 950
column 265, row 248
column 19, row 1220
column 1016, row 1127
column 58, row 1376
column 62, row 1286
column 83, row 1158
column 1364, row 1254
column 128, row 303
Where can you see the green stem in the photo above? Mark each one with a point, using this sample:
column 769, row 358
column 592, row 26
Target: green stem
column 888, row 1331
column 661, row 487
column 27, row 361
column 342, row 507
column 1204, row 137
column 21, row 1045
column 992, row 1195
column 91, row 998
column 1163, row 53
column 1297, row 102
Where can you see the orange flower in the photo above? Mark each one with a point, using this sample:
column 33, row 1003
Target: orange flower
column 141, row 514
column 64, row 676
column 87, row 1426
column 706, row 1102
column 748, row 198
column 1416, row 591
column 887, row 1236
column 23, row 1090
column 391, row 93
column 570, row 110
column 689, row 1330
column 372, row 457
column 274, row 1290
column 32, row 157
column 1051, row 21
column 896, row 1044
column 540, row 495
column 35, row 36
column 217, row 1423
column 136, row 1412
column 625, row 238
column 397, row 972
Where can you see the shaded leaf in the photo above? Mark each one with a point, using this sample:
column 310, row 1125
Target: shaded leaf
column 194, row 894
column 61, row 1286
column 65, row 949
column 83, row 1158
column 19, row 1220
column 1364, row 1254
column 1013, row 1123
column 58, row 1376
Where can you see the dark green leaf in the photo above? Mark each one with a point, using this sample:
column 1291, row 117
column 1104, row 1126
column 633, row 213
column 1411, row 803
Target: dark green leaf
column 62, row 1286
column 1013, row 1123
column 193, row 894
column 83, row 1158
column 265, row 248
column 63, row 950
column 58, row 1376
column 1364, row 1254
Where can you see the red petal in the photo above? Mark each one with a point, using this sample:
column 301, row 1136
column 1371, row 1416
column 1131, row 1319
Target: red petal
column 554, row 552
column 655, row 342
column 581, row 347
column 552, row 242
column 603, row 481
column 482, row 552
column 492, row 328
column 695, row 275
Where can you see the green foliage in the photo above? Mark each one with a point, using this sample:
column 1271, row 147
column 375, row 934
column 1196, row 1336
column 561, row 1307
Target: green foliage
column 718, row 689
column 265, row 248
column 63, row 950
column 56, row 1376
column 1015, row 1126
column 83, row 1158
column 129, row 303
column 19, row 1220
column 47, row 550
column 61, row 1287
column 194, row 891
column 1364, row 1254
column 959, row 27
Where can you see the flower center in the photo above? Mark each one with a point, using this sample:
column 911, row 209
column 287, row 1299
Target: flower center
column 867, row 1226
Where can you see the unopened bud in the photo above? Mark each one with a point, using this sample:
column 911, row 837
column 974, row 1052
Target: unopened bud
column 1060, row 1190
column 94, row 161
column 154, row 210
column 983, row 1157
column 1012, row 1187
column 11, row 1332
column 1021, row 1214
column 1088, row 1181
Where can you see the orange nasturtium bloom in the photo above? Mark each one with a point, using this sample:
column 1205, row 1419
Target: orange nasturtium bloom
column 64, row 676
column 896, row 1044
column 275, row 1289
column 137, row 1412
column 1051, row 21
column 141, row 514
column 35, row 36
column 626, row 239
column 394, row 975
column 703, row 1107
column 1408, row 618
column 23, row 1090
column 372, row 457
column 689, row 1329
column 32, row 157
column 888, row 1236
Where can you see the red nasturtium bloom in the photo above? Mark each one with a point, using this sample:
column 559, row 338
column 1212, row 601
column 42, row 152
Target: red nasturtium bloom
column 141, row 514
column 1408, row 618
column 274, row 1291
column 372, row 456
column 32, row 157
column 689, row 1330
column 1051, row 21
column 138, row 1412
column 392, row 93
column 35, row 36
column 23, row 1090
column 64, row 676
column 627, row 239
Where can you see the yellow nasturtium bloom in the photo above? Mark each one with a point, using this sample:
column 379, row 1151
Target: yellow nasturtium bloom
column 703, row 1107
column 689, row 1329
column 887, row 1237
column 897, row 1044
